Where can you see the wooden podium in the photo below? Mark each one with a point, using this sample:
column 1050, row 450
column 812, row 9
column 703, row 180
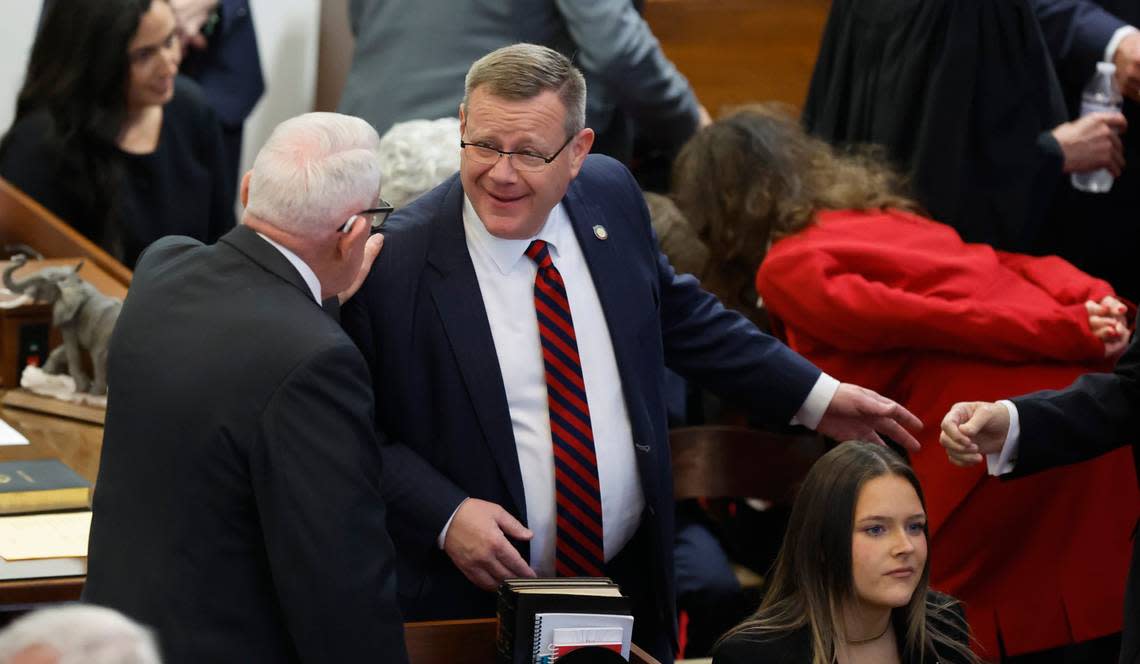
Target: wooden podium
column 76, row 443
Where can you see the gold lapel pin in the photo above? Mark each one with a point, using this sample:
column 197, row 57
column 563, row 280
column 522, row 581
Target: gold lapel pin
column 601, row 233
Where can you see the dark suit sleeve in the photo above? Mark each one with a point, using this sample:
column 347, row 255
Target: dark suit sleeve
column 421, row 497
column 1076, row 31
column 721, row 350
column 616, row 44
column 316, row 473
column 1094, row 415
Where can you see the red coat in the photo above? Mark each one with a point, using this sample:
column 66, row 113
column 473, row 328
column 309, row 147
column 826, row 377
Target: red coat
column 899, row 304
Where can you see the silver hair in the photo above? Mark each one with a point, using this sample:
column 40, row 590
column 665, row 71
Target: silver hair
column 81, row 634
column 523, row 71
column 315, row 171
column 417, row 155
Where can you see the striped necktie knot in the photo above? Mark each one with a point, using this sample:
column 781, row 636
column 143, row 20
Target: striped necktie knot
column 539, row 252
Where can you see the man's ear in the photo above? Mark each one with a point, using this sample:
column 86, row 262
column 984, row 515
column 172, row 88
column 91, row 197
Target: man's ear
column 462, row 120
column 245, row 188
column 346, row 240
column 579, row 148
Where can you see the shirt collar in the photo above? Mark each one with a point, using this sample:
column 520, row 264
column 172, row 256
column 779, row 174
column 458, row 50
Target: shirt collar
column 507, row 253
column 307, row 273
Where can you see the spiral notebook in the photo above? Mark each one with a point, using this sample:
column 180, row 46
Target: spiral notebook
column 556, row 634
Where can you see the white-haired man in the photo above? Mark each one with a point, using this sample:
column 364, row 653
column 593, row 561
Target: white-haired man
column 238, row 507
column 77, row 633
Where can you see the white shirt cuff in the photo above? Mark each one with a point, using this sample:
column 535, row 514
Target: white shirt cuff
column 817, row 401
column 1117, row 37
column 443, row 533
column 1002, row 463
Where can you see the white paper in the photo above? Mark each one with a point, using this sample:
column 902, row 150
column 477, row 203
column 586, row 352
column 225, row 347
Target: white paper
column 60, row 535
column 9, row 436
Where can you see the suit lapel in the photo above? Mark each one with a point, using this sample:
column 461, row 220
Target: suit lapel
column 249, row 243
column 621, row 299
column 455, row 291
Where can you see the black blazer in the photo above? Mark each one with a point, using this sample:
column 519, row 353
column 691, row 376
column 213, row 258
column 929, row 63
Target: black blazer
column 420, row 322
column 796, row 648
column 1096, row 414
column 238, row 508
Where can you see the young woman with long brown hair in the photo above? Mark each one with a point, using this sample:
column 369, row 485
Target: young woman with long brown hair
column 851, row 582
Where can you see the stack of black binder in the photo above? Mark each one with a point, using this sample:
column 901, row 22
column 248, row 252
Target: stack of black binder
column 543, row 619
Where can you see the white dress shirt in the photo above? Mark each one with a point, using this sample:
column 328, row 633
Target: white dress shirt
column 506, row 283
column 1002, row 462
column 307, row 273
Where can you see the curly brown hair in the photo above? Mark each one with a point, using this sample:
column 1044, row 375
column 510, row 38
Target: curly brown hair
column 755, row 176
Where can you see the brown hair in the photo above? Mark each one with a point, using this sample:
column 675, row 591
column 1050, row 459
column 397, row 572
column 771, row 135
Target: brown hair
column 524, row 71
column 755, row 176
column 812, row 576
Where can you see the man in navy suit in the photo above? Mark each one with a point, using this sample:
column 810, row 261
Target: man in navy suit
column 517, row 335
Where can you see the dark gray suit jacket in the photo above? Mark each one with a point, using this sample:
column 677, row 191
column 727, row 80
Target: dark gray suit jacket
column 412, row 55
column 238, row 507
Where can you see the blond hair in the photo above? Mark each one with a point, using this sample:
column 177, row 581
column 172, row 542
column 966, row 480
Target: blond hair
column 524, row 71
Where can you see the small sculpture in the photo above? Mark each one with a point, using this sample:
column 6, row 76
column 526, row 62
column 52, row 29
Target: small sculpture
column 85, row 318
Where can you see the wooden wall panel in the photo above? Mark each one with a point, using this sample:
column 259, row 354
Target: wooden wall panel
column 738, row 51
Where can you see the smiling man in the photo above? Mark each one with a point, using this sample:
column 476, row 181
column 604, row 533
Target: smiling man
column 517, row 338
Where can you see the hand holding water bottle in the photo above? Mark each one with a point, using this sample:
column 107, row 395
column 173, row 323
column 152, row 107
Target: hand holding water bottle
column 1101, row 98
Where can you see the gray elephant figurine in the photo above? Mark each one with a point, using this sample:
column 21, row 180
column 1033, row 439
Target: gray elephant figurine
column 85, row 318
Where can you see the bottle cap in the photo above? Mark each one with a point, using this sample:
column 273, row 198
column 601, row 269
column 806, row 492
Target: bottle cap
column 1106, row 68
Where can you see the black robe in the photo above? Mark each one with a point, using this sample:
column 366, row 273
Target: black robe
column 962, row 95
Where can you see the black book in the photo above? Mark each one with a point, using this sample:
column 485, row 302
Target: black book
column 520, row 600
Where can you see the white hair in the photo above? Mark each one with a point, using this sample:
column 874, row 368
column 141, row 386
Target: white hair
column 315, row 171
column 417, row 155
column 81, row 634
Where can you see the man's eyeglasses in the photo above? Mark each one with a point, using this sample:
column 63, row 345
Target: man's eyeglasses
column 376, row 216
column 523, row 160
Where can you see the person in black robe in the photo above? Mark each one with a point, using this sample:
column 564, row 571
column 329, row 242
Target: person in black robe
column 964, row 99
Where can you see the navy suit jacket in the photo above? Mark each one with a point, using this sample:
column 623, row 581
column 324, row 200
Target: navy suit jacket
column 421, row 324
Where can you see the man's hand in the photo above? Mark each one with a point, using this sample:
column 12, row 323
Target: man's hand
column 478, row 545
column 191, row 15
column 1127, row 60
column 973, row 429
column 1108, row 322
column 371, row 250
column 858, row 413
column 1092, row 142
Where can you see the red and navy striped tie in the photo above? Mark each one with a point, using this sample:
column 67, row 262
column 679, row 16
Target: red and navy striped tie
column 578, row 548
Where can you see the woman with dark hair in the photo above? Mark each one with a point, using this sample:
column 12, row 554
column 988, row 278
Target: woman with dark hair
column 868, row 289
column 109, row 138
column 851, row 581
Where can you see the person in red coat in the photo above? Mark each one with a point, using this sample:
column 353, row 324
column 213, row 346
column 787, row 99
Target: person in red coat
column 866, row 287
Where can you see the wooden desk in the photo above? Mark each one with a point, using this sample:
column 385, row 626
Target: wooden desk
column 78, row 445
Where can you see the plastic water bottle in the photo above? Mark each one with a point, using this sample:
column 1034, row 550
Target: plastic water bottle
column 1100, row 95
